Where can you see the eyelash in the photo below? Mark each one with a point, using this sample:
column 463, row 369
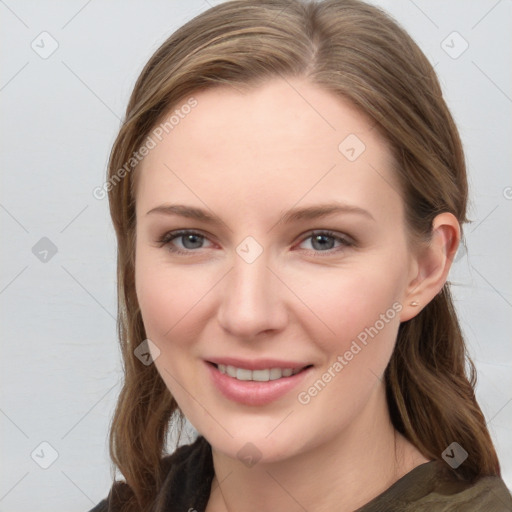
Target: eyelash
column 168, row 237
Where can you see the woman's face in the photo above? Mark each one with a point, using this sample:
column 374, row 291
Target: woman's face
column 294, row 260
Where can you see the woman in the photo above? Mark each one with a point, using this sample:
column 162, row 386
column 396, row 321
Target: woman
column 288, row 191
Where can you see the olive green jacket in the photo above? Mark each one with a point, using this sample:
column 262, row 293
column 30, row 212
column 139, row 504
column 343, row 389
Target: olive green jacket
column 430, row 487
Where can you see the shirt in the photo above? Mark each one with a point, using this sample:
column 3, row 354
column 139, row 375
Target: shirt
column 430, row 487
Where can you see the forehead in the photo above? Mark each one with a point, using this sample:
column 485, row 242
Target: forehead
column 281, row 142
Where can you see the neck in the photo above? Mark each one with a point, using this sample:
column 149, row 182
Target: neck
column 342, row 473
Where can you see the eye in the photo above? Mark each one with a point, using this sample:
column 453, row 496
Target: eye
column 325, row 241
column 187, row 242
column 183, row 241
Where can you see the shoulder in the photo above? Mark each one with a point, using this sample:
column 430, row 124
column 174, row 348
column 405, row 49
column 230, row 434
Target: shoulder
column 487, row 493
column 188, row 474
column 435, row 487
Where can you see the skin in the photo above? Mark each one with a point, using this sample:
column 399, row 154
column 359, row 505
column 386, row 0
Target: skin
column 247, row 157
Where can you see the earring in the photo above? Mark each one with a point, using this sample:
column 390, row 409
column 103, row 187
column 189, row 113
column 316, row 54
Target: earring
column 414, row 303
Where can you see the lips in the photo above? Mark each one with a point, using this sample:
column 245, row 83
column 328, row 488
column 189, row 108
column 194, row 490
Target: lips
column 255, row 382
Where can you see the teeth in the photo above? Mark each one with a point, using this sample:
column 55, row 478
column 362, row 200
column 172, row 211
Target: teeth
column 261, row 375
column 257, row 375
column 243, row 374
column 275, row 373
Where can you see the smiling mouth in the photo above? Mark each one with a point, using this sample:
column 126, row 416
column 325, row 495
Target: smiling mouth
column 263, row 375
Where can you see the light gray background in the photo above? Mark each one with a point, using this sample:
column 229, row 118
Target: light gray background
column 60, row 366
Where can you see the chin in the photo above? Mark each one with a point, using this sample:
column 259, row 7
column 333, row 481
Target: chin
column 252, row 440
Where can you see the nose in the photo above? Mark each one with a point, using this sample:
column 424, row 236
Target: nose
column 252, row 301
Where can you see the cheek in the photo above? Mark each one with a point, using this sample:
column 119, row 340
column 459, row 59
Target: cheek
column 170, row 299
column 155, row 298
column 170, row 303
column 363, row 311
column 348, row 302
column 359, row 311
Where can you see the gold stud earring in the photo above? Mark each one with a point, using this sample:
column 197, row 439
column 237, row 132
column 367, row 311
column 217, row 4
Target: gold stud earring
column 414, row 303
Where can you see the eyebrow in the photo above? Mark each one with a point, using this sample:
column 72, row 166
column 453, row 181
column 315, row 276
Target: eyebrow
column 290, row 216
column 324, row 210
column 189, row 212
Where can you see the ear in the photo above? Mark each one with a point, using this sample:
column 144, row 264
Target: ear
column 432, row 262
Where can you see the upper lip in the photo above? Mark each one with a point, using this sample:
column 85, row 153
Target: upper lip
column 257, row 364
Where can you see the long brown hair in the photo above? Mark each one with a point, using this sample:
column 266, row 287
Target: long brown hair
column 358, row 52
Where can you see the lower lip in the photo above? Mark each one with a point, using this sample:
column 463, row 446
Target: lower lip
column 249, row 392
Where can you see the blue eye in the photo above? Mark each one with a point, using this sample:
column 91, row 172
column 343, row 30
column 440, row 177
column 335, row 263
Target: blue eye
column 190, row 240
column 325, row 241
